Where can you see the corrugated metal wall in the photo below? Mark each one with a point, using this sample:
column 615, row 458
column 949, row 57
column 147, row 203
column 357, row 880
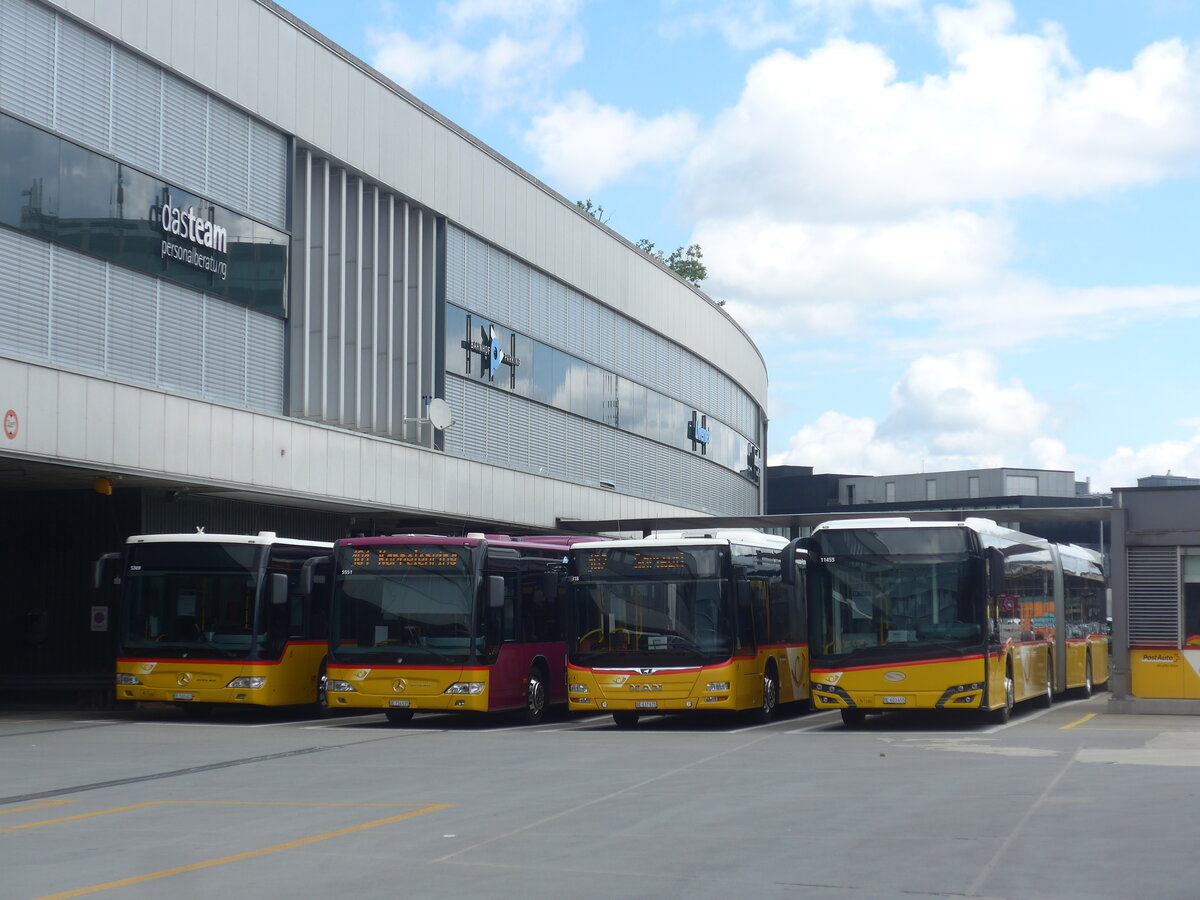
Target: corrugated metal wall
column 363, row 324
column 81, row 313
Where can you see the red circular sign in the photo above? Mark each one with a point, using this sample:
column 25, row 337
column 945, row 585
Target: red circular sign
column 11, row 425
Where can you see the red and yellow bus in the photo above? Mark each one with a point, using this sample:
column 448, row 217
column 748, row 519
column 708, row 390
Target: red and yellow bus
column 950, row 615
column 204, row 619
column 447, row 624
column 686, row 621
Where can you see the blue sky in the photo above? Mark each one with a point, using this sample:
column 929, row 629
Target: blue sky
column 962, row 233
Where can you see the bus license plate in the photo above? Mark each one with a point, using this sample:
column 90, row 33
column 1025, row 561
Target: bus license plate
column 183, row 696
column 399, row 704
column 895, row 701
column 646, row 704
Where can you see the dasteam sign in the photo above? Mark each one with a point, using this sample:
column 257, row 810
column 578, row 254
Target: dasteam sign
column 203, row 234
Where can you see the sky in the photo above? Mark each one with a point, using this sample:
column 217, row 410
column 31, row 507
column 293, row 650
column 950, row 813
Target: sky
column 962, row 234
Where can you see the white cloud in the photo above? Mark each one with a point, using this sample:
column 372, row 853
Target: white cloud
column 751, row 24
column 947, row 412
column 836, row 135
column 584, row 146
column 956, row 412
column 503, row 52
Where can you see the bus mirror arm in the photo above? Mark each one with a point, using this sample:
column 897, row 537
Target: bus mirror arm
column 100, row 567
column 495, row 589
column 306, row 573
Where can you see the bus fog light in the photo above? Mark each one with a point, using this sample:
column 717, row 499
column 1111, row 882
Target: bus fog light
column 466, row 687
column 339, row 687
column 252, row 683
column 577, row 688
column 127, row 679
column 717, row 686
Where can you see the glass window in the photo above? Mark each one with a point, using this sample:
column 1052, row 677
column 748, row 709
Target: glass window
column 29, row 168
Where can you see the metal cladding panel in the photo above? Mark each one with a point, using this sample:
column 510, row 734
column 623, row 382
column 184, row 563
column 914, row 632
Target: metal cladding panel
column 27, row 60
column 99, row 399
column 77, row 337
column 24, row 296
column 181, row 340
column 137, row 111
column 132, row 324
column 82, row 89
column 228, row 155
column 188, row 118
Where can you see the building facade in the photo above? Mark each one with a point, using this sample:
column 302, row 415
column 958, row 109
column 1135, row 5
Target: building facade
column 246, row 279
column 1156, row 600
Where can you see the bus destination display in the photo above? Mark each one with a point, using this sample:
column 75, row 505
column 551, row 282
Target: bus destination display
column 424, row 558
column 672, row 560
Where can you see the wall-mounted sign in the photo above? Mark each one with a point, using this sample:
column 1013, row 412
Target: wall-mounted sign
column 202, row 233
column 491, row 353
column 11, row 425
column 699, row 433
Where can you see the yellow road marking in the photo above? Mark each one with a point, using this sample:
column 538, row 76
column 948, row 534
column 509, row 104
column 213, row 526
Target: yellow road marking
column 45, row 804
column 149, row 803
column 249, row 854
column 1086, row 718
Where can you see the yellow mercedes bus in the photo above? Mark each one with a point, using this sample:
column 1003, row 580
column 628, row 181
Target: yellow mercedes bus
column 966, row 615
column 686, row 621
column 205, row 619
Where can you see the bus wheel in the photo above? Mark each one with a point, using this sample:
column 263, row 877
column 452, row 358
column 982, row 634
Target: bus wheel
column 535, row 698
column 399, row 716
column 322, row 702
column 625, row 718
column 1001, row 715
column 1048, row 700
column 1085, row 690
column 770, row 697
column 854, row 718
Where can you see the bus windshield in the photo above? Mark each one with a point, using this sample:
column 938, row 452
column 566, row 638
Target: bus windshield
column 191, row 598
column 920, row 599
column 651, row 606
column 410, row 602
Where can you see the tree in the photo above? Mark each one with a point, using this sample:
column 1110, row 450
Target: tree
column 683, row 262
column 596, row 212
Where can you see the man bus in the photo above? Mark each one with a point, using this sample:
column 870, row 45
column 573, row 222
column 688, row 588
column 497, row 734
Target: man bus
column 204, row 619
column 967, row 615
column 686, row 621
column 447, row 624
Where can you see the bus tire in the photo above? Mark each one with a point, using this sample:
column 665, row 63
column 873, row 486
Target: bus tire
column 853, row 718
column 1084, row 691
column 535, row 697
column 1047, row 700
column 770, row 697
column 1001, row 716
column 398, row 716
column 626, row 718
column 321, row 704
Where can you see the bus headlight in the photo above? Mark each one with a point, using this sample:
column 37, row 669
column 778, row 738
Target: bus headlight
column 253, row 683
column 577, row 688
column 339, row 687
column 466, row 687
column 122, row 678
column 717, row 686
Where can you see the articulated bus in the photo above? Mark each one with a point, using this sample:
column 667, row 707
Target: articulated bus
column 967, row 615
column 445, row 624
column 217, row 618
column 686, row 621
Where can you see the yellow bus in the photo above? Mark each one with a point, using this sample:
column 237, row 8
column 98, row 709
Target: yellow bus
column 204, row 619
column 950, row 615
column 686, row 621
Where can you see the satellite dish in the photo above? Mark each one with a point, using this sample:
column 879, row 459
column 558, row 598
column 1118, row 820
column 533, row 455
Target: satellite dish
column 440, row 416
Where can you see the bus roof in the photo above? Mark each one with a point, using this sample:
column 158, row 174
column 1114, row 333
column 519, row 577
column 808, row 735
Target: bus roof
column 723, row 537
column 263, row 538
column 557, row 543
